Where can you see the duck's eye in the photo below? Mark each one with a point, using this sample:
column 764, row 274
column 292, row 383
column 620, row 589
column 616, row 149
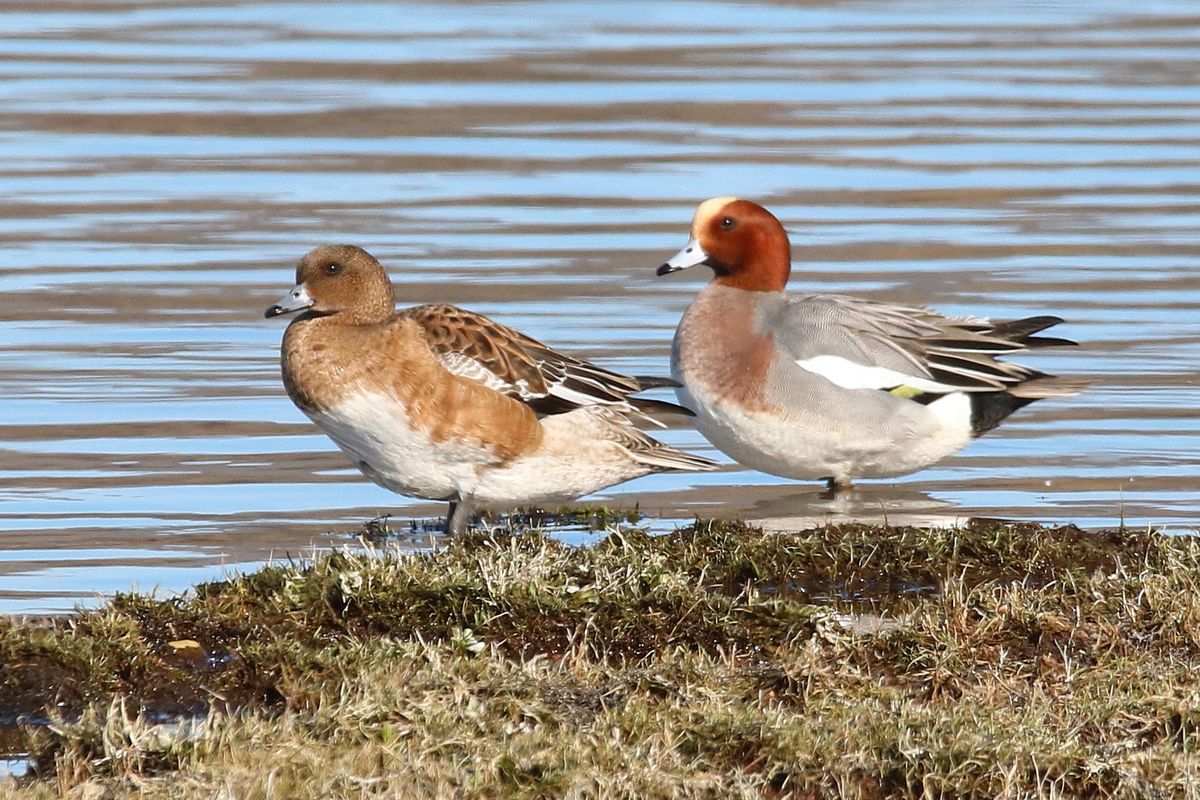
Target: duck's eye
column 727, row 222
column 333, row 268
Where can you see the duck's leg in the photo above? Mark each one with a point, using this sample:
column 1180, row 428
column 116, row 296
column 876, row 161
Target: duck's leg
column 835, row 485
column 458, row 517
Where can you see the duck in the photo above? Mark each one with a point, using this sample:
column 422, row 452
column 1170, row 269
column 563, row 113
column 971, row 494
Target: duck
column 834, row 387
column 441, row 403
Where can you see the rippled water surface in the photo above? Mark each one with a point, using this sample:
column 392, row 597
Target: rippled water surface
column 163, row 166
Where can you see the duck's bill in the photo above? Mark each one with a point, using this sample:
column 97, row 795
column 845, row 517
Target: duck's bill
column 691, row 255
column 295, row 300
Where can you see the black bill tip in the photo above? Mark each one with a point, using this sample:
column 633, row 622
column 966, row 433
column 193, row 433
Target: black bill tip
column 666, row 269
column 273, row 311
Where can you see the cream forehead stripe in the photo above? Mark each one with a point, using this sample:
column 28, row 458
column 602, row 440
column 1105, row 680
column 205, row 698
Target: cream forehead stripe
column 707, row 210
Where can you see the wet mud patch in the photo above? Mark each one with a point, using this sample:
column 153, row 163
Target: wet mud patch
column 559, row 523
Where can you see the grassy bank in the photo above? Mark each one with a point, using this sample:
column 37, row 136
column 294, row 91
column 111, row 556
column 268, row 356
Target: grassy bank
column 997, row 661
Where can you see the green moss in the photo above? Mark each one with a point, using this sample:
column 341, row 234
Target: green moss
column 718, row 661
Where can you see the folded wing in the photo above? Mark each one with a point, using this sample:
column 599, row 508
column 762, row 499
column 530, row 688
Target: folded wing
column 859, row 344
column 506, row 360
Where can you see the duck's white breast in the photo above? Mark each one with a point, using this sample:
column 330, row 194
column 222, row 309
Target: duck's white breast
column 376, row 431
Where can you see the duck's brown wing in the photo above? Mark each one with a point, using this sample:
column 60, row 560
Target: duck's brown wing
column 480, row 349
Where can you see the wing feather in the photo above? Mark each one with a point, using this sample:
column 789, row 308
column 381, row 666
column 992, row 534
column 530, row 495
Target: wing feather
column 859, row 343
column 477, row 348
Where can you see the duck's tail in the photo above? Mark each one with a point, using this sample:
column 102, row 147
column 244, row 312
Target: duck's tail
column 988, row 409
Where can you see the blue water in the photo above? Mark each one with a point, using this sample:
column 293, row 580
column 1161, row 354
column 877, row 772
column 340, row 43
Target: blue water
column 163, row 168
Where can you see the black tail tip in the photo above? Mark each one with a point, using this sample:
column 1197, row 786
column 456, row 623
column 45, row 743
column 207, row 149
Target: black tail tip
column 989, row 409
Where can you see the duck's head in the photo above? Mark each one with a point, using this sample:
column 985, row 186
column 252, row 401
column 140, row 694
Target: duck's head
column 342, row 280
column 744, row 244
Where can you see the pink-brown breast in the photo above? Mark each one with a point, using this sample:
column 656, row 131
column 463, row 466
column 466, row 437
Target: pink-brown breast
column 719, row 349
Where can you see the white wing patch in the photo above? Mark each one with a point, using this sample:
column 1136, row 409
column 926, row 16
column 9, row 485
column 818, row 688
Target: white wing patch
column 466, row 367
column 850, row 375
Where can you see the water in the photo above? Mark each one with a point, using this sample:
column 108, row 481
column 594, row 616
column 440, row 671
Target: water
column 162, row 168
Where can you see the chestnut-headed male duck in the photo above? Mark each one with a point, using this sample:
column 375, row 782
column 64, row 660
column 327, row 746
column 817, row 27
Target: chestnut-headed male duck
column 814, row 386
column 443, row 404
